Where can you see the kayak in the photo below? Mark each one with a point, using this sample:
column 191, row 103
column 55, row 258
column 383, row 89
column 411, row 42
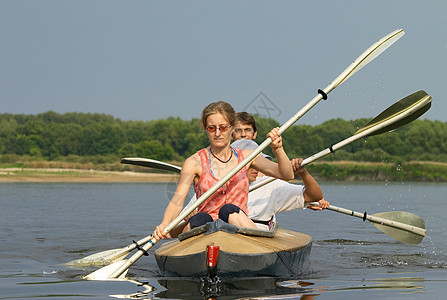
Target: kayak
column 224, row 250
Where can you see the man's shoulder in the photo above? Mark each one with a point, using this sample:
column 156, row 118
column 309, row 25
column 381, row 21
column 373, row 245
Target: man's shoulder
column 277, row 184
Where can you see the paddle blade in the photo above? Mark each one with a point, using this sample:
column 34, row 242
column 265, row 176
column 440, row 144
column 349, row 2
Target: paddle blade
column 99, row 259
column 105, row 272
column 401, row 235
column 403, row 111
column 151, row 163
column 366, row 57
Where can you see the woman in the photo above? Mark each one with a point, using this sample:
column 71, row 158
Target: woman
column 210, row 164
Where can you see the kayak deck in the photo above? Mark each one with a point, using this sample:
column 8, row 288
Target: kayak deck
column 283, row 255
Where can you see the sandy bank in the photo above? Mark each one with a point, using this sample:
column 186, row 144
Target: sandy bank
column 75, row 175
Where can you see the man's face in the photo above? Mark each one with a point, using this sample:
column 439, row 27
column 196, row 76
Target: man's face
column 243, row 131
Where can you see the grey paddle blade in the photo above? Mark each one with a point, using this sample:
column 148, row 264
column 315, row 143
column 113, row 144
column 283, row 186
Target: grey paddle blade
column 414, row 105
column 400, row 234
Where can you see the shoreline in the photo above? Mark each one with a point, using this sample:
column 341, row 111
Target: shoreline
column 76, row 175
column 417, row 171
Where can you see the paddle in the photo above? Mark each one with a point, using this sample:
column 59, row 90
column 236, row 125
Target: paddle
column 400, row 113
column 108, row 256
column 151, row 163
column 117, row 269
column 403, row 226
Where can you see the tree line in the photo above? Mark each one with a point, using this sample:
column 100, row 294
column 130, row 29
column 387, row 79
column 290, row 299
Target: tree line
column 54, row 136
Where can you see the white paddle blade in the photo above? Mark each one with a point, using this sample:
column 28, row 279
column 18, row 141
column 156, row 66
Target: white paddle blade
column 366, row 57
column 401, row 235
column 99, row 259
column 102, row 258
column 105, row 272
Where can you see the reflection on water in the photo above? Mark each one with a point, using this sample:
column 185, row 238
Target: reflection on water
column 146, row 293
column 409, row 284
column 402, row 284
column 268, row 288
column 228, row 289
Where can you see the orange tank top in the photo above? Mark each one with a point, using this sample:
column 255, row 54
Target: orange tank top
column 234, row 191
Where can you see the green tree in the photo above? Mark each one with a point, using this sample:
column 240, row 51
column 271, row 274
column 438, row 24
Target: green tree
column 17, row 145
column 154, row 150
column 127, row 150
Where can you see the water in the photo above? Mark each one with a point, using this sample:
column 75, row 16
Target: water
column 44, row 225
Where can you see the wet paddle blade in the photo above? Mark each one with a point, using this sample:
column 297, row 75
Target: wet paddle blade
column 99, row 259
column 410, row 107
column 105, row 272
column 400, row 234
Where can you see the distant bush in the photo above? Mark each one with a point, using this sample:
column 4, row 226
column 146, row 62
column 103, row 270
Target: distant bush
column 99, row 138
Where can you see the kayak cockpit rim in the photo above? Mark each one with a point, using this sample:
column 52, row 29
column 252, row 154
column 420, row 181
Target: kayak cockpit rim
column 220, row 225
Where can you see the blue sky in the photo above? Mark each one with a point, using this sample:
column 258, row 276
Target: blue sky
column 144, row 60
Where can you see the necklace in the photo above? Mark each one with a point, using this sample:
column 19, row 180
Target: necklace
column 222, row 161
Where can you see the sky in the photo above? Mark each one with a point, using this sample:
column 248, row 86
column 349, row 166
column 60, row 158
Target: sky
column 146, row 60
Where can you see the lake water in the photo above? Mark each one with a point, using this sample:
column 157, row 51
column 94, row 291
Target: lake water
column 44, row 225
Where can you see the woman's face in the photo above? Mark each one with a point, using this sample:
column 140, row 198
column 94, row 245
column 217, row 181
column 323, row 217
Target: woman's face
column 219, row 130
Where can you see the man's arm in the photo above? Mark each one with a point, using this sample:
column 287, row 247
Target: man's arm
column 312, row 191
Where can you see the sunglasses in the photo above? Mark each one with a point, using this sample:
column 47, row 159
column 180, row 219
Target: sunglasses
column 222, row 128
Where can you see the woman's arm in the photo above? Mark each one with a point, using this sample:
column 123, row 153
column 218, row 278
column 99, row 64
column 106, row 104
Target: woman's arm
column 189, row 172
column 282, row 169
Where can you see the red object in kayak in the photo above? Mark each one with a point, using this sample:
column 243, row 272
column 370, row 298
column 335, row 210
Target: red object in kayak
column 212, row 255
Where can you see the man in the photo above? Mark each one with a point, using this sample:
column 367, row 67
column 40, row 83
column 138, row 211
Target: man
column 278, row 195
